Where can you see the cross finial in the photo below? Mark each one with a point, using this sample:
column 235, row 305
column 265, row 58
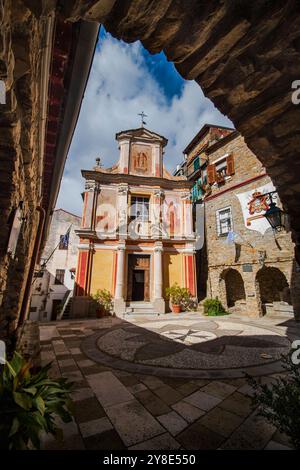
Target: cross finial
column 143, row 115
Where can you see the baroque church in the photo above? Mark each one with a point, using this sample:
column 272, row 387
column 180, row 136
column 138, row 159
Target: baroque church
column 136, row 236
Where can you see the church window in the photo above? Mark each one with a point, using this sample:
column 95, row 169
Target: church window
column 139, row 208
column 224, row 221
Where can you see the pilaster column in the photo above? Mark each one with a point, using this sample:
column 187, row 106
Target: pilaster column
column 158, row 280
column 187, row 215
column 119, row 293
column 123, row 210
column 156, row 214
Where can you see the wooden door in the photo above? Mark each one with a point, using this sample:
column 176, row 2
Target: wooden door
column 147, row 285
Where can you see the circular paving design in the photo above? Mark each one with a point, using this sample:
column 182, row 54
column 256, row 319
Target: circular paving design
column 188, row 347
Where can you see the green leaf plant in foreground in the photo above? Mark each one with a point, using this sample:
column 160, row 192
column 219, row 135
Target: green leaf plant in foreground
column 30, row 402
column 279, row 401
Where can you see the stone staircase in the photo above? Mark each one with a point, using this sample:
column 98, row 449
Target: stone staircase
column 139, row 308
column 67, row 311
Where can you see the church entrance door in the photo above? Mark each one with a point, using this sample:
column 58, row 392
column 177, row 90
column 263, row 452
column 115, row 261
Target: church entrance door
column 138, row 278
column 138, row 285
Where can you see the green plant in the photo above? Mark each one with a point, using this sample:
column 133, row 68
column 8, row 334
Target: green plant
column 178, row 295
column 279, row 401
column 103, row 300
column 214, row 307
column 29, row 403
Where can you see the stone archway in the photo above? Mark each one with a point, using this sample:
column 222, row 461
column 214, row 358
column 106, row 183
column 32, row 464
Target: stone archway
column 244, row 55
column 272, row 286
column 233, row 287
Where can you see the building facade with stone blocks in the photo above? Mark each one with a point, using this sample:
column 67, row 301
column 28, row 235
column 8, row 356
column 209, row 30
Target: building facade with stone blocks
column 247, row 265
column 136, row 237
column 55, row 276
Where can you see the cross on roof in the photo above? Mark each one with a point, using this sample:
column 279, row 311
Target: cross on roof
column 143, row 115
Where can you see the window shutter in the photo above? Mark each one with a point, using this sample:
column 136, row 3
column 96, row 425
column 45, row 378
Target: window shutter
column 230, row 165
column 211, row 174
column 196, row 164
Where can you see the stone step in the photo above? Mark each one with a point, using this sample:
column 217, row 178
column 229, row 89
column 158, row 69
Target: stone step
column 140, row 305
column 144, row 312
column 139, row 308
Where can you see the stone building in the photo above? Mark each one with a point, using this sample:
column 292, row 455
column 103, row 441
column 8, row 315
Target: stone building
column 51, row 43
column 136, row 236
column 44, row 66
column 249, row 266
column 54, row 277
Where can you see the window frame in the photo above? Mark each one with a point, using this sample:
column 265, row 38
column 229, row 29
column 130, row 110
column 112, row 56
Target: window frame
column 220, row 233
column 62, row 246
column 57, row 280
column 134, row 206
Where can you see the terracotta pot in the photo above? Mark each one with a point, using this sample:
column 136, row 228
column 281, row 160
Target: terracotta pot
column 176, row 308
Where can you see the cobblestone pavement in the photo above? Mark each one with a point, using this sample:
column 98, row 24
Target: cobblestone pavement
column 132, row 388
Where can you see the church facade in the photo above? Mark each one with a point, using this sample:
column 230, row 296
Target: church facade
column 136, row 237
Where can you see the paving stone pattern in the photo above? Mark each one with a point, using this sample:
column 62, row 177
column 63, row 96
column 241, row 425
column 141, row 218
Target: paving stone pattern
column 118, row 409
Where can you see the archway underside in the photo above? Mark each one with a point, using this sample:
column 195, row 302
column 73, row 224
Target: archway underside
column 244, row 55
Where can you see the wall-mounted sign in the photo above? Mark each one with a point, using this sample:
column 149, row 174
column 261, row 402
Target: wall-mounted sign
column 254, row 204
column 247, row 268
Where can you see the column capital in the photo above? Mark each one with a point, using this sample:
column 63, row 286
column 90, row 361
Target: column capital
column 158, row 247
column 90, row 185
column 123, row 189
column 159, row 192
column 186, row 196
column 121, row 247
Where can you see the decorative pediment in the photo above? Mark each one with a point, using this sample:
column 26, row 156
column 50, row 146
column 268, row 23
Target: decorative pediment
column 142, row 134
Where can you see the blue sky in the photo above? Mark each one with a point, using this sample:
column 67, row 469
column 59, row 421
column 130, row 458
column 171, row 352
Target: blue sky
column 125, row 80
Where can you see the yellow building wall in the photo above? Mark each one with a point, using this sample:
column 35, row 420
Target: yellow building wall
column 173, row 269
column 102, row 271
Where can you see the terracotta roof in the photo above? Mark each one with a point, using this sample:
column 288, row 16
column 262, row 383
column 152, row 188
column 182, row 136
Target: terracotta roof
column 67, row 212
column 204, row 129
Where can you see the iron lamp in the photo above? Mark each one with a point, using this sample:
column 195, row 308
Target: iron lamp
column 275, row 217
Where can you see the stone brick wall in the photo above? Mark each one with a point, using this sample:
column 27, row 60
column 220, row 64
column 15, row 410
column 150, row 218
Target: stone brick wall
column 20, row 50
column 244, row 258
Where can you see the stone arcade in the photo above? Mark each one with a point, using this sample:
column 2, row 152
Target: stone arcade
column 136, row 237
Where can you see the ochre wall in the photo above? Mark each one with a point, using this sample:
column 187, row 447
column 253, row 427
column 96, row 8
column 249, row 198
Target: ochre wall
column 172, row 265
column 102, row 271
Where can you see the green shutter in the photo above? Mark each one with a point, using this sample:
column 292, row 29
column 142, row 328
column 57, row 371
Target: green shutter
column 196, row 163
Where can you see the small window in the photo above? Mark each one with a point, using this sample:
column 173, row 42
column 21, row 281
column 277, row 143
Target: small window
column 224, row 221
column 59, row 276
column 63, row 242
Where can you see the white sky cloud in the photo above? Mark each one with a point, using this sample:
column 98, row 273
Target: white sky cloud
column 121, row 86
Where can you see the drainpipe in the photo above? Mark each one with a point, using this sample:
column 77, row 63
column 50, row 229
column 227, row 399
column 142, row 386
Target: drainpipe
column 34, row 257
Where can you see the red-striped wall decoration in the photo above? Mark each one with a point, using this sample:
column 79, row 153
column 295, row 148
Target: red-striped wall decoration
column 81, row 273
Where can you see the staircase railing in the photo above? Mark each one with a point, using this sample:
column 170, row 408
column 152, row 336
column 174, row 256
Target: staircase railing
column 65, row 302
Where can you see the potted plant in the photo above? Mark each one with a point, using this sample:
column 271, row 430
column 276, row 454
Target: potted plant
column 102, row 303
column 177, row 296
column 29, row 403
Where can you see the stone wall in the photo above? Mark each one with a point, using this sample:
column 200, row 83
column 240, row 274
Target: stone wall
column 20, row 50
column 277, row 249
